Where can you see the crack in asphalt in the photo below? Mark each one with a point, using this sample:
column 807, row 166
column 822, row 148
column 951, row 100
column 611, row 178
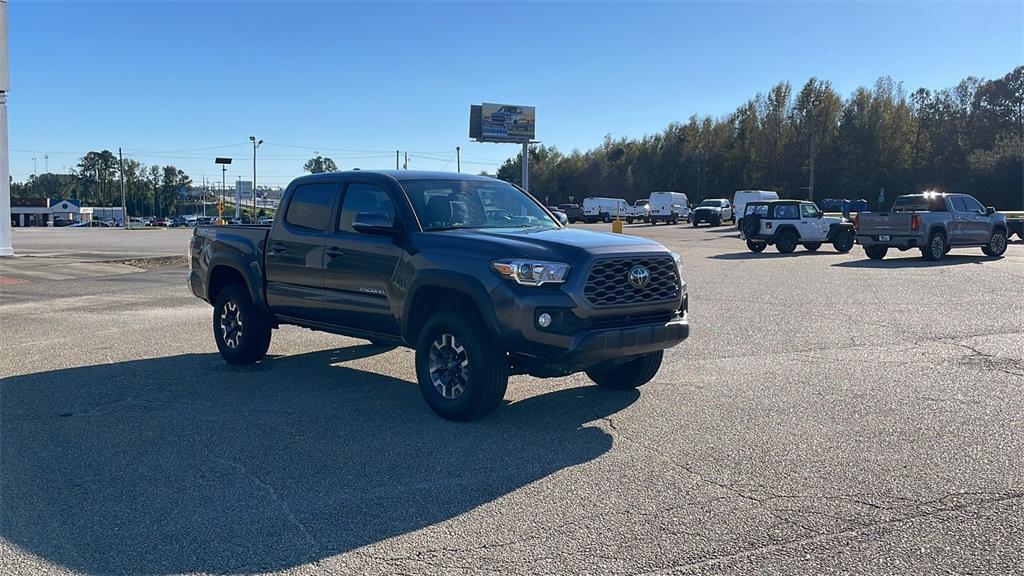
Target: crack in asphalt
column 992, row 362
column 281, row 504
column 1004, row 497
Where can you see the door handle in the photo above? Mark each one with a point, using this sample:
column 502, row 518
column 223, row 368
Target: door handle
column 277, row 247
column 333, row 252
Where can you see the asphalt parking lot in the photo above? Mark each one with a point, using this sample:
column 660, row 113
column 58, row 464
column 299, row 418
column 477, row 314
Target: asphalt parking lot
column 829, row 414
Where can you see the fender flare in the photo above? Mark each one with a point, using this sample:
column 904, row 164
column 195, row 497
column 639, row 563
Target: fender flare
column 251, row 272
column 835, row 229
column 456, row 281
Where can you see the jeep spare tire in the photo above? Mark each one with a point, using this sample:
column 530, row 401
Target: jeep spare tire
column 750, row 226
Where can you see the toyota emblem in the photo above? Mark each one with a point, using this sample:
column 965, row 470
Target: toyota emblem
column 639, row 276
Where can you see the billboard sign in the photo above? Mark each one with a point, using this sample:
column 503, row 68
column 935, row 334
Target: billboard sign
column 504, row 123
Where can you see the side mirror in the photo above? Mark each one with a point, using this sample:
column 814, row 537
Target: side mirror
column 562, row 218
column 990, row 211
column 376, row 223
column 819, row 214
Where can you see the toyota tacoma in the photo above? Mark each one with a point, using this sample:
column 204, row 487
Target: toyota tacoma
column 471, row 272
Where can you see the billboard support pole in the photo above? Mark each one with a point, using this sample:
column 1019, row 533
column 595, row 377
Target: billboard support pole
column 526, row 166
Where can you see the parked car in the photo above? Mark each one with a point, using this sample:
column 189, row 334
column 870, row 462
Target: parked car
column 604, row 209
column 639, row 211
column 741, row 197
column 573, row 212
column 668, row 207
column 414, row 259
column 265, row 220
column 137, row 222
column 91, row 224
column 204, row 221
column 714, row 211
column 178, row 222
column 791, row 223
column 935, row 223
column 61, row 223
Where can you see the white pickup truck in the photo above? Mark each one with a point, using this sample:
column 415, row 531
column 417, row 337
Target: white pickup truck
column 640, row 211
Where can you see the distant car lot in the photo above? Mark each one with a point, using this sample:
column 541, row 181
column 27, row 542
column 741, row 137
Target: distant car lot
column 829, row 412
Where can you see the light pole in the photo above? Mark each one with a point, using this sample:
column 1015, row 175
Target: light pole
column 35, row 168
column 223, row 184
column 255, row 145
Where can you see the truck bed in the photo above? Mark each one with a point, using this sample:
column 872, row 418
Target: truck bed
column 894, row 223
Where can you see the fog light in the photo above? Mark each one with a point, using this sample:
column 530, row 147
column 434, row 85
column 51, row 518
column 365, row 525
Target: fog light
column 544, row 320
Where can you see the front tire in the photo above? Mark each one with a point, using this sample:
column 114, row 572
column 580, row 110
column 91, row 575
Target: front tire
column 844, row 241
column 240, row 328
column 628, row 375
column 996, row 245
column 462, row 374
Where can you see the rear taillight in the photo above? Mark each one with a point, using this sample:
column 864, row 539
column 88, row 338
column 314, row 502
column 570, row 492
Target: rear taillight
column 915, row 222
column 856, row 222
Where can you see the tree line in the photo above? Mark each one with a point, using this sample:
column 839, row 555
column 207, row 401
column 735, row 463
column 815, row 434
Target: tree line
column 968, row 138
column 149, row 190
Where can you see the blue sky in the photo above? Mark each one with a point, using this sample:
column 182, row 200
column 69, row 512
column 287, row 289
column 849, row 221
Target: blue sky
column 178, row 83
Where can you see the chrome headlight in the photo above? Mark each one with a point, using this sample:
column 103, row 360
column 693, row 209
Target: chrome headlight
column 532, row 272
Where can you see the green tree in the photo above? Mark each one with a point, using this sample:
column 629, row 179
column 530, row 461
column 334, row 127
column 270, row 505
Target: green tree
column 319, row 164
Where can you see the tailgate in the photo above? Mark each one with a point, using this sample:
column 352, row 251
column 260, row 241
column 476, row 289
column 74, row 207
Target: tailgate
column 874, row 223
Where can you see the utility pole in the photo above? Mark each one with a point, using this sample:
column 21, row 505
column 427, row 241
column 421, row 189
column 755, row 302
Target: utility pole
column 396, row 159
column 255, row 145
column 406, row 165
column 526, row 166
column 35, row 166
column 46, row 163
column 458, row 159
column 238, row 197
column 810, row 181
column 124, row 197
column 6, row 249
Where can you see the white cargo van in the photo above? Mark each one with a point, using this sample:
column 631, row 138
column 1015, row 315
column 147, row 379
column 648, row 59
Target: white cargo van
column 740, row 199
column 669, row 207
column 604, row 209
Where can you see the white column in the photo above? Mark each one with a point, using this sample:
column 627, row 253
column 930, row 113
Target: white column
column 6, row 249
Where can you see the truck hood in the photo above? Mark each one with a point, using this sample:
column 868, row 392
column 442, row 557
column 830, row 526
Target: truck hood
column 559, row 244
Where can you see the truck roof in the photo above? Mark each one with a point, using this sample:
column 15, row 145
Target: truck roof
column 397, row 175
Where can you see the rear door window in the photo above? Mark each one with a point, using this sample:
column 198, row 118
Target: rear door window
column 310, row 206
column 786, row 212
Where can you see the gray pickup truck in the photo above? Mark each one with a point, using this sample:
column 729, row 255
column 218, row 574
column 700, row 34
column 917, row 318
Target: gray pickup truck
column 934, row 223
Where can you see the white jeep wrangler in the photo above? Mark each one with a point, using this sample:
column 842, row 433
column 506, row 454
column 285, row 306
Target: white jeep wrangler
column 788, row 223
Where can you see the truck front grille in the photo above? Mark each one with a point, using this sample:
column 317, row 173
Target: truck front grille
column 608, row 283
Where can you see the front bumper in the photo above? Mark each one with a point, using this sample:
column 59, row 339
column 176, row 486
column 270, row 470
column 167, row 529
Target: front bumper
column 706, row 216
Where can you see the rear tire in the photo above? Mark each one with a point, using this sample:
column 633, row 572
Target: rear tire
column 812, row 246
column 606, row 219
column 756, row 246
column 787, row 242
column 629, row 375
column 876, row 252
column 996, row 245
column 461, row 373
column 936, row 247
column 240, row 328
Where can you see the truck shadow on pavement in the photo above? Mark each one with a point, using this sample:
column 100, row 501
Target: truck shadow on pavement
column 915, row 261
column 771, row 253
column 186, row 464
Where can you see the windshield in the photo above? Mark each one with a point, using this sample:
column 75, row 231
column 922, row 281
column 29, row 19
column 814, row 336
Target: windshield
column 713, row 203
column 452, row 204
